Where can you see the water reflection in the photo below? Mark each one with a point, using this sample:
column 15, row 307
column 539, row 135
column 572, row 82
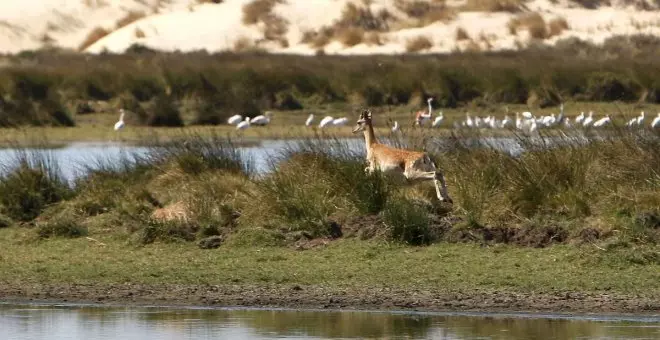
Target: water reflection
column 95, row 322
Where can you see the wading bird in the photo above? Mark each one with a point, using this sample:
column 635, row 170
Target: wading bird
column 235, row 119
column 422, row 116
column 656, row 122
column 327, row 120
column 244, row 124
column 309, row 120
column 261, row 120
column 120, row 124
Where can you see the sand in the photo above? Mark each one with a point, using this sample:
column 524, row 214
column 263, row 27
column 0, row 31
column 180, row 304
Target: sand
column 187, row 25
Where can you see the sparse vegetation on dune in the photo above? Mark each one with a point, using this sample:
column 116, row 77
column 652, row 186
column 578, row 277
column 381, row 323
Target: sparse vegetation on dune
column 206, row 89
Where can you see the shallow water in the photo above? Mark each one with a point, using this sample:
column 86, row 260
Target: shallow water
column 35, row 321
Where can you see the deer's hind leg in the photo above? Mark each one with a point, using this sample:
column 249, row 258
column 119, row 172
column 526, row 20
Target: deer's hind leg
column 435, row 176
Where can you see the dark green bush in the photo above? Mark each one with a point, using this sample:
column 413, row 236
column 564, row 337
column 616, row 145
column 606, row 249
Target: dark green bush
column 32, row 185
column 407, row 222
column 5, row 221
column 63, row 226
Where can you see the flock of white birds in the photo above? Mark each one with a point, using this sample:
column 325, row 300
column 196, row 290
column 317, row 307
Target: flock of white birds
column 524, row 121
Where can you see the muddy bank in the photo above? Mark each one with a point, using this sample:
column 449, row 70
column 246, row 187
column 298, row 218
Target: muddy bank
column 297, row 296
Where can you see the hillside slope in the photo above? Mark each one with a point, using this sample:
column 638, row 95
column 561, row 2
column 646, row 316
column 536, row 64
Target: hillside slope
column 311, row 26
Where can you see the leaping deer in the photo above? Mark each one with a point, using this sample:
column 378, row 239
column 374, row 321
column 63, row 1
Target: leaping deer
column 413, row 165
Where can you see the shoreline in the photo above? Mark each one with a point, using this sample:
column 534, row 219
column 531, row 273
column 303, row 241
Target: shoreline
column 295, row 296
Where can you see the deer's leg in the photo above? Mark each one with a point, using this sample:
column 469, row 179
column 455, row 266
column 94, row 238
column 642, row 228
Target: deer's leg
column 438, row 181
column 441, row 187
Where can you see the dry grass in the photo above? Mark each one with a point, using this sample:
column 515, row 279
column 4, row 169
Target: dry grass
column 556, row 26
column 418, row 44
column 318, row 39
column 258, row 10
column 350, row 36
column 511, row 6
column 139, row 33
column 425, row 12
column 129, row 18
column 243, row 44
column 362, row 17
column 532, row 22
column 373, row 39
column 275, row 27
column 95, row 35
column 461, row 34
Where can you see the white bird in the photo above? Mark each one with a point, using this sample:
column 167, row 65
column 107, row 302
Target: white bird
column 120, row 124
column 244, row 124
column 518, row 121
column 527, row 115
column 468, row 120
column 438, row 120
column 309, row 120
column 261, row 120
column 579, row 118
column 640, row 119
column 602, row 121
column 560, row 117
column 395, row 128
column 326, row 121
column 235, row 119
column 505, row 122
column 587, row 121
column 340, row 121
column 656, row 122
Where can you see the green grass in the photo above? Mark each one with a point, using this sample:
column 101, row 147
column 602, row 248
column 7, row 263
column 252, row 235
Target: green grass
column 347, row 263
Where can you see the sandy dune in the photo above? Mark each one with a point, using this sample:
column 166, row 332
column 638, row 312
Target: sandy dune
column 188, row 25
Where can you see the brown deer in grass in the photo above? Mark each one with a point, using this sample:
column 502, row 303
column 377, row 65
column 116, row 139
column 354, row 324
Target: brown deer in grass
column 412, row 165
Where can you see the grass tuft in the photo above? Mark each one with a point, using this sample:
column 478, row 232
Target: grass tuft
column 64, row 226
column 30, row 185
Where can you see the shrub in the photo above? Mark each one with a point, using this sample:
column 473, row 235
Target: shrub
column 93, row 36
column 425, row 12
column 512, row 6
column 163, row 112
column 64, row 226
column 418, row 44
column 556, row 26
column 407, row 222
column 461, row 34
column 5, row 221
column 30, row 186
column 129, row 18
column 351, row 36
column 532, row 22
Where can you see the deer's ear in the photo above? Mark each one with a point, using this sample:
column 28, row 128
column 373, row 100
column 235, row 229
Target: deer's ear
column 369, row 114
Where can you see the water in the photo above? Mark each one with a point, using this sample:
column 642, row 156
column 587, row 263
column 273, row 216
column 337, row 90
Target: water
column 74, row 157
column 55, row 322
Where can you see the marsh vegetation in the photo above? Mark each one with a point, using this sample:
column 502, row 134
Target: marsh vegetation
column 175, row 89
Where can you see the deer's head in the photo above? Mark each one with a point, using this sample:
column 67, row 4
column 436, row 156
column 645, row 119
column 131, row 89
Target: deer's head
column 363, row 121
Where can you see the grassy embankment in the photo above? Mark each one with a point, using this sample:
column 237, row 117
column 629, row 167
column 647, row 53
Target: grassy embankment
column 192, row 89
column 578, row 218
